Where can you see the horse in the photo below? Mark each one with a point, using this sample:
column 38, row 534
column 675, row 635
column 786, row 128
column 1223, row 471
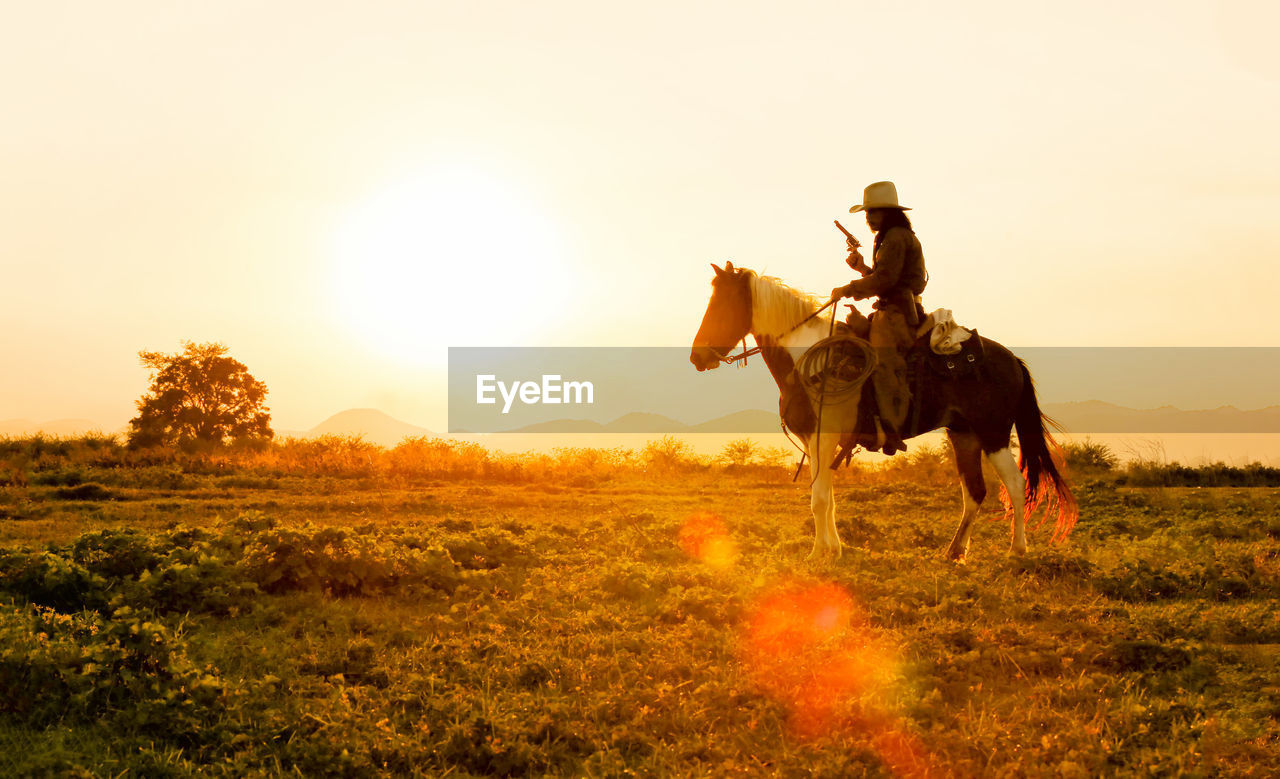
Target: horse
column 978, row 411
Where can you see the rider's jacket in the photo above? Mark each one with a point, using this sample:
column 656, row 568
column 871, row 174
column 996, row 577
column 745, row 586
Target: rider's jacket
column 897, row 274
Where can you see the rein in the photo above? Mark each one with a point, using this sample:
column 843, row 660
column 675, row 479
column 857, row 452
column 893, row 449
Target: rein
column 822, row 394
column 741, row 357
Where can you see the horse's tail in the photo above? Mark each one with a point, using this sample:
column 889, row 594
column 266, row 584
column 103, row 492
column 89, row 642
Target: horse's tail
column 1039, row 459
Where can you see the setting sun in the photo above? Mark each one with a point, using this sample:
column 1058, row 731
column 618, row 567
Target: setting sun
column 438, row 253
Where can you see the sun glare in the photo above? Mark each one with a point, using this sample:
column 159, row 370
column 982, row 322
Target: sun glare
column 450, row 256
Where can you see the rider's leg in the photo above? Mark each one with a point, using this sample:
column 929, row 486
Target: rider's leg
column 891, row 337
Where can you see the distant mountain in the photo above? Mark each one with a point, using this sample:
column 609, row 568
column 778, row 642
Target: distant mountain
column 639, row 422
column 1092, row 416
column 562, row 426
column 635, row 422
column 1095, row 416
column 374, row 426
column 55, row 427
column 752, row 421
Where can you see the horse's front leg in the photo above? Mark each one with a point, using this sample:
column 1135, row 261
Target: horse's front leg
column 826, row 539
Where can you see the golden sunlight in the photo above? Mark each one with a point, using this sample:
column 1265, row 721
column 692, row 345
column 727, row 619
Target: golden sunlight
column 450, row 256
column 704, row 537
column 813, row 648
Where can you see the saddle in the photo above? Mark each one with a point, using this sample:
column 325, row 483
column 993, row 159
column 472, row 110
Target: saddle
column 966, row 363
column 924, row 366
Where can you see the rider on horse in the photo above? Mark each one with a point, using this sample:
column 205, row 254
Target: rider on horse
column 896, row 279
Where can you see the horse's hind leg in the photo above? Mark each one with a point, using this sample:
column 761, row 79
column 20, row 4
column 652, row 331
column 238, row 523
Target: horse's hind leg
column 973, row 489
column 1016, row 486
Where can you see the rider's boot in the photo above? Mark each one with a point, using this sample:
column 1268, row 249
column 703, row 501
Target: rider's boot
column 893, row 442
column 887, row 438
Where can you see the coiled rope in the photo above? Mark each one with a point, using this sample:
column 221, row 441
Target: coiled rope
column 837, row 379
column 832, row 374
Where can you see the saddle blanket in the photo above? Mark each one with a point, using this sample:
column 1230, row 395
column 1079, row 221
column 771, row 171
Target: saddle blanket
column 945, row 336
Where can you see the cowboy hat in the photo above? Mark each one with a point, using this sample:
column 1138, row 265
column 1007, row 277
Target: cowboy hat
column 882, row 194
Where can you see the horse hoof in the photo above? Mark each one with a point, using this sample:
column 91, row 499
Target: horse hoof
column 824, row 554
column 1015, row 551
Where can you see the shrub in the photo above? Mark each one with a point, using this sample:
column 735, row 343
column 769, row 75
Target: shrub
column 48, row 579
column 86, row 491
column 669, row 454
column 777, row 456
column 183, row 571
column 115, row 554
column 59, row 477
column 1090, row 456
column 1153, row 474
column 248, row 482
column 13, row 473
column 741, row 451
column 161, row 477
column 922, row 463
column 129, row 669
column 483, row 548
column 333, row 455
column 343, row 562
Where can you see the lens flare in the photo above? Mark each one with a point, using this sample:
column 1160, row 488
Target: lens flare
column 809, row 646
column 704, row 537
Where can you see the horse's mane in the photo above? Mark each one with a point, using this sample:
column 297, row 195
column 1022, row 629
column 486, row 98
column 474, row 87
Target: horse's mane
column 776, row 307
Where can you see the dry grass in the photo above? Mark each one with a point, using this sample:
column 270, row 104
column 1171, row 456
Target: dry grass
column 434, row 608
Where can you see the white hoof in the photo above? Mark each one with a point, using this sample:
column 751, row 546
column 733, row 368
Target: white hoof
column 823, row 553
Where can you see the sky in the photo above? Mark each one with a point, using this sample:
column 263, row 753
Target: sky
column 339, row 192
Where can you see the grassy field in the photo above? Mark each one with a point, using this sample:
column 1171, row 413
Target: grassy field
column 343, row 612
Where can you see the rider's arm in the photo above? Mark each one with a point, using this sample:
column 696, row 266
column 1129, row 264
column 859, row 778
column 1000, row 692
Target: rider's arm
column 889, row 259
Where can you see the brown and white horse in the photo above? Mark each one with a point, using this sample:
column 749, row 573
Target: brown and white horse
column 978, row 411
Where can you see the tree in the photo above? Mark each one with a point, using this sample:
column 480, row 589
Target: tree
column 199, row 395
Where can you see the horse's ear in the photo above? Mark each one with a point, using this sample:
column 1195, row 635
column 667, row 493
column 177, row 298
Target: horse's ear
column 728, row 266
column 719, row 271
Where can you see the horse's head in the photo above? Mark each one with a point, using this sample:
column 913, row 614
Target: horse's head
column 728, row 317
